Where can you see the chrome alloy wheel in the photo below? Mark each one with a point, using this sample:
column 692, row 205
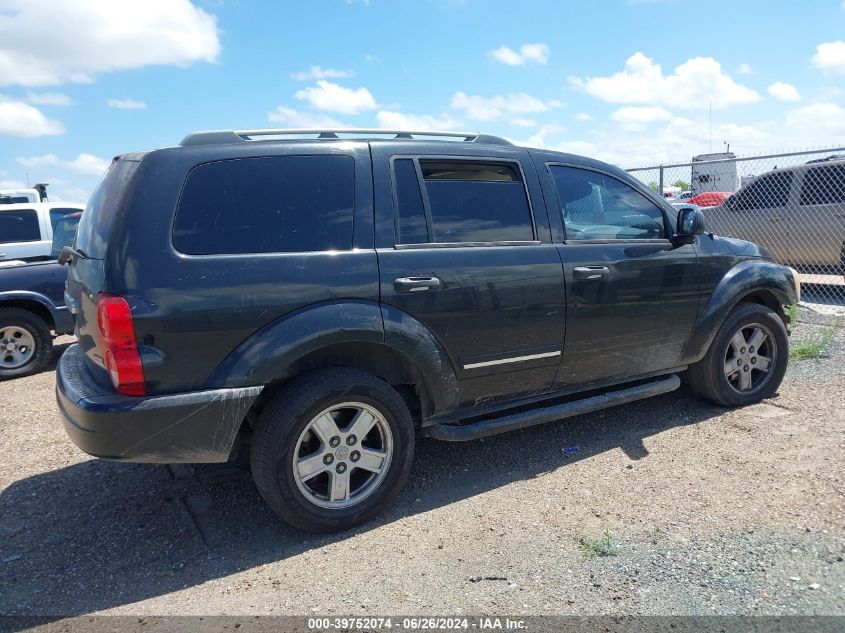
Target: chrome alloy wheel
column 342, row 455
column 750, row 358
column 17, row 346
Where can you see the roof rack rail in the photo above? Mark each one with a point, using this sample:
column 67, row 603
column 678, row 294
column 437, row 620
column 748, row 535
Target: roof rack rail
column 239, row 136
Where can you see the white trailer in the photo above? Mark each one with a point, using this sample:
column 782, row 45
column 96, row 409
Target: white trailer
column 714, row 172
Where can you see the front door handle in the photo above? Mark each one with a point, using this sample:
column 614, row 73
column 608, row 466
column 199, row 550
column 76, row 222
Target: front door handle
column 416, row 284
column 591, row 272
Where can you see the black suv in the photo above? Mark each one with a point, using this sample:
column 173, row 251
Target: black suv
column 330, row 297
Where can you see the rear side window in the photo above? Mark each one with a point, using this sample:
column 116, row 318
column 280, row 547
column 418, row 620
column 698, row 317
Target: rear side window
column 101, row 210
column 824, row 185
column 595, row 206
column 19, row 226
column 463, row 202
column 767, row 192
column 277, row 204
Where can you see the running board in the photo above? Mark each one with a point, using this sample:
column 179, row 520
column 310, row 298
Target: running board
column 458, row 433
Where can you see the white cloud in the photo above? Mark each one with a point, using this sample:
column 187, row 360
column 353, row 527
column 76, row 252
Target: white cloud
column 126, row 104
column 317, row 72
column 523, row 122
column 392, row 120
column 299, row 119
column 538, row 53
column 46, row 43
column 817, row 123
column 745, row 69
column 48, row 98
column 86, row 164
column 638, row 116
column 334, row 98
column 583, row 116
column 695, row 84
column 784, row 91
column 492, row 108
column 830, row 57
column 21, row 119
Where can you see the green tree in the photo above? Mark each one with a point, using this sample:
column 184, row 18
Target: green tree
column 653, row 186
column 684, row 186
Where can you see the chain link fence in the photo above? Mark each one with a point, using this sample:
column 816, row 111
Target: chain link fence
column 792, row 204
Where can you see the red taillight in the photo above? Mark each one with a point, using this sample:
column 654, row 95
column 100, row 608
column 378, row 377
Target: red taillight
column 117, row 335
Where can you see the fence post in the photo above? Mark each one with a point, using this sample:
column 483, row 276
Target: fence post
column 660, row 182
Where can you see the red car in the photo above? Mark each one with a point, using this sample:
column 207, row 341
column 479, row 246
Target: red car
column 710, row 198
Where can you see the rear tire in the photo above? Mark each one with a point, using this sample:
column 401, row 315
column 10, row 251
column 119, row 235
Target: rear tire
column 332, row 449
column 747, row 359
column 26, row 344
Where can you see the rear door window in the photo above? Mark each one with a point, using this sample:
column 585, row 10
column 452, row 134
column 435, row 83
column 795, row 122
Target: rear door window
column 278, row 204
column 596, row 206
column 824, row 185
column 19, row 226
column 461, row 202
column 770, row 191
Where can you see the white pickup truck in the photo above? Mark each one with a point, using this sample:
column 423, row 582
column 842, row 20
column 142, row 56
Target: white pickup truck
column 26, row 227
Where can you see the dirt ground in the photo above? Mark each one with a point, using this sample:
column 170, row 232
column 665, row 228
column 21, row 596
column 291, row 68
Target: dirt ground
column 707, row 510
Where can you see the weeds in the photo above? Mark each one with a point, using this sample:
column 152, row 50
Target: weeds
column 603, row 546
column 793, row 313
column 816, row 346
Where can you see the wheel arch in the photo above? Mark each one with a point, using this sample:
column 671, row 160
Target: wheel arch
column 753, row 281
column 31, row 303
column 356, row 334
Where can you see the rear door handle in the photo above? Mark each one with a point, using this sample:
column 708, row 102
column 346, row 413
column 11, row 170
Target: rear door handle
column 591, row 272
column 416, row 284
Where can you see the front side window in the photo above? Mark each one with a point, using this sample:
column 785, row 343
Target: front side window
column 278, row 204
column 824, row 185
column 19, row 226
column 767, row 192
column 596, row 206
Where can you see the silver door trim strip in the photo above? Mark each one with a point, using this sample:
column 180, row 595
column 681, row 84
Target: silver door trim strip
column 514, row 359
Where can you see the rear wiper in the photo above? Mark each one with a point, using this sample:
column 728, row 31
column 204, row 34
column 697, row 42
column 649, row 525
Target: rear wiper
column 68, row 253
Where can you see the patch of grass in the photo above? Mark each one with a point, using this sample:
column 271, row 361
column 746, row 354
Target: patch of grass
column 793, row 313
column 603, row 546
column 815, row 346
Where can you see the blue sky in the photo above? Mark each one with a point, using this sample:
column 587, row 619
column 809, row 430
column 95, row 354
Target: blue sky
column 628, row 81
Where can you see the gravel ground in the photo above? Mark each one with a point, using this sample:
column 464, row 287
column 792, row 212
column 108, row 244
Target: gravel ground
column 710, row 511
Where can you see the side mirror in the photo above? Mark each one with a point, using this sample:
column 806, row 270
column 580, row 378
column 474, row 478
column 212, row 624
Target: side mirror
column 691, row 223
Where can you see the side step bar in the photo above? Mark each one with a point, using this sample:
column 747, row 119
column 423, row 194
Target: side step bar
column 458, row 433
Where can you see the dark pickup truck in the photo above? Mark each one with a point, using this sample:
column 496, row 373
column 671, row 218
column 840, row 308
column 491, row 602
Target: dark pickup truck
column 32, row 304
column 329, row 298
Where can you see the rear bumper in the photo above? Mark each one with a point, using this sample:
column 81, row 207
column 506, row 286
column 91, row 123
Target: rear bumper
column 192, row 427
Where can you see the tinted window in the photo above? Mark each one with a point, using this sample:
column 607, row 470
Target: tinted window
column 411, row 227
column 57, row 214
column 595, row 206
column 267, row 205
column 473, row 202
column 101, row 210
column 19, row 226
column 64, row 231
column 767, row 192
column 824, row 185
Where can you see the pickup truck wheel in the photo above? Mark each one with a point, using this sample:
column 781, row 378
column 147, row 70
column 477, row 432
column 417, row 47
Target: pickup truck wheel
column 25, row 343
column 747, row 359
column 332, row 449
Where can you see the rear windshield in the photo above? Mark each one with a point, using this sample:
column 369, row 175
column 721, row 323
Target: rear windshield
column 97, row 220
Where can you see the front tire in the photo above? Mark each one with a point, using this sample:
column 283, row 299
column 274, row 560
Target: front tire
column 25, row 343
column 747, row 359
column 332, row 449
